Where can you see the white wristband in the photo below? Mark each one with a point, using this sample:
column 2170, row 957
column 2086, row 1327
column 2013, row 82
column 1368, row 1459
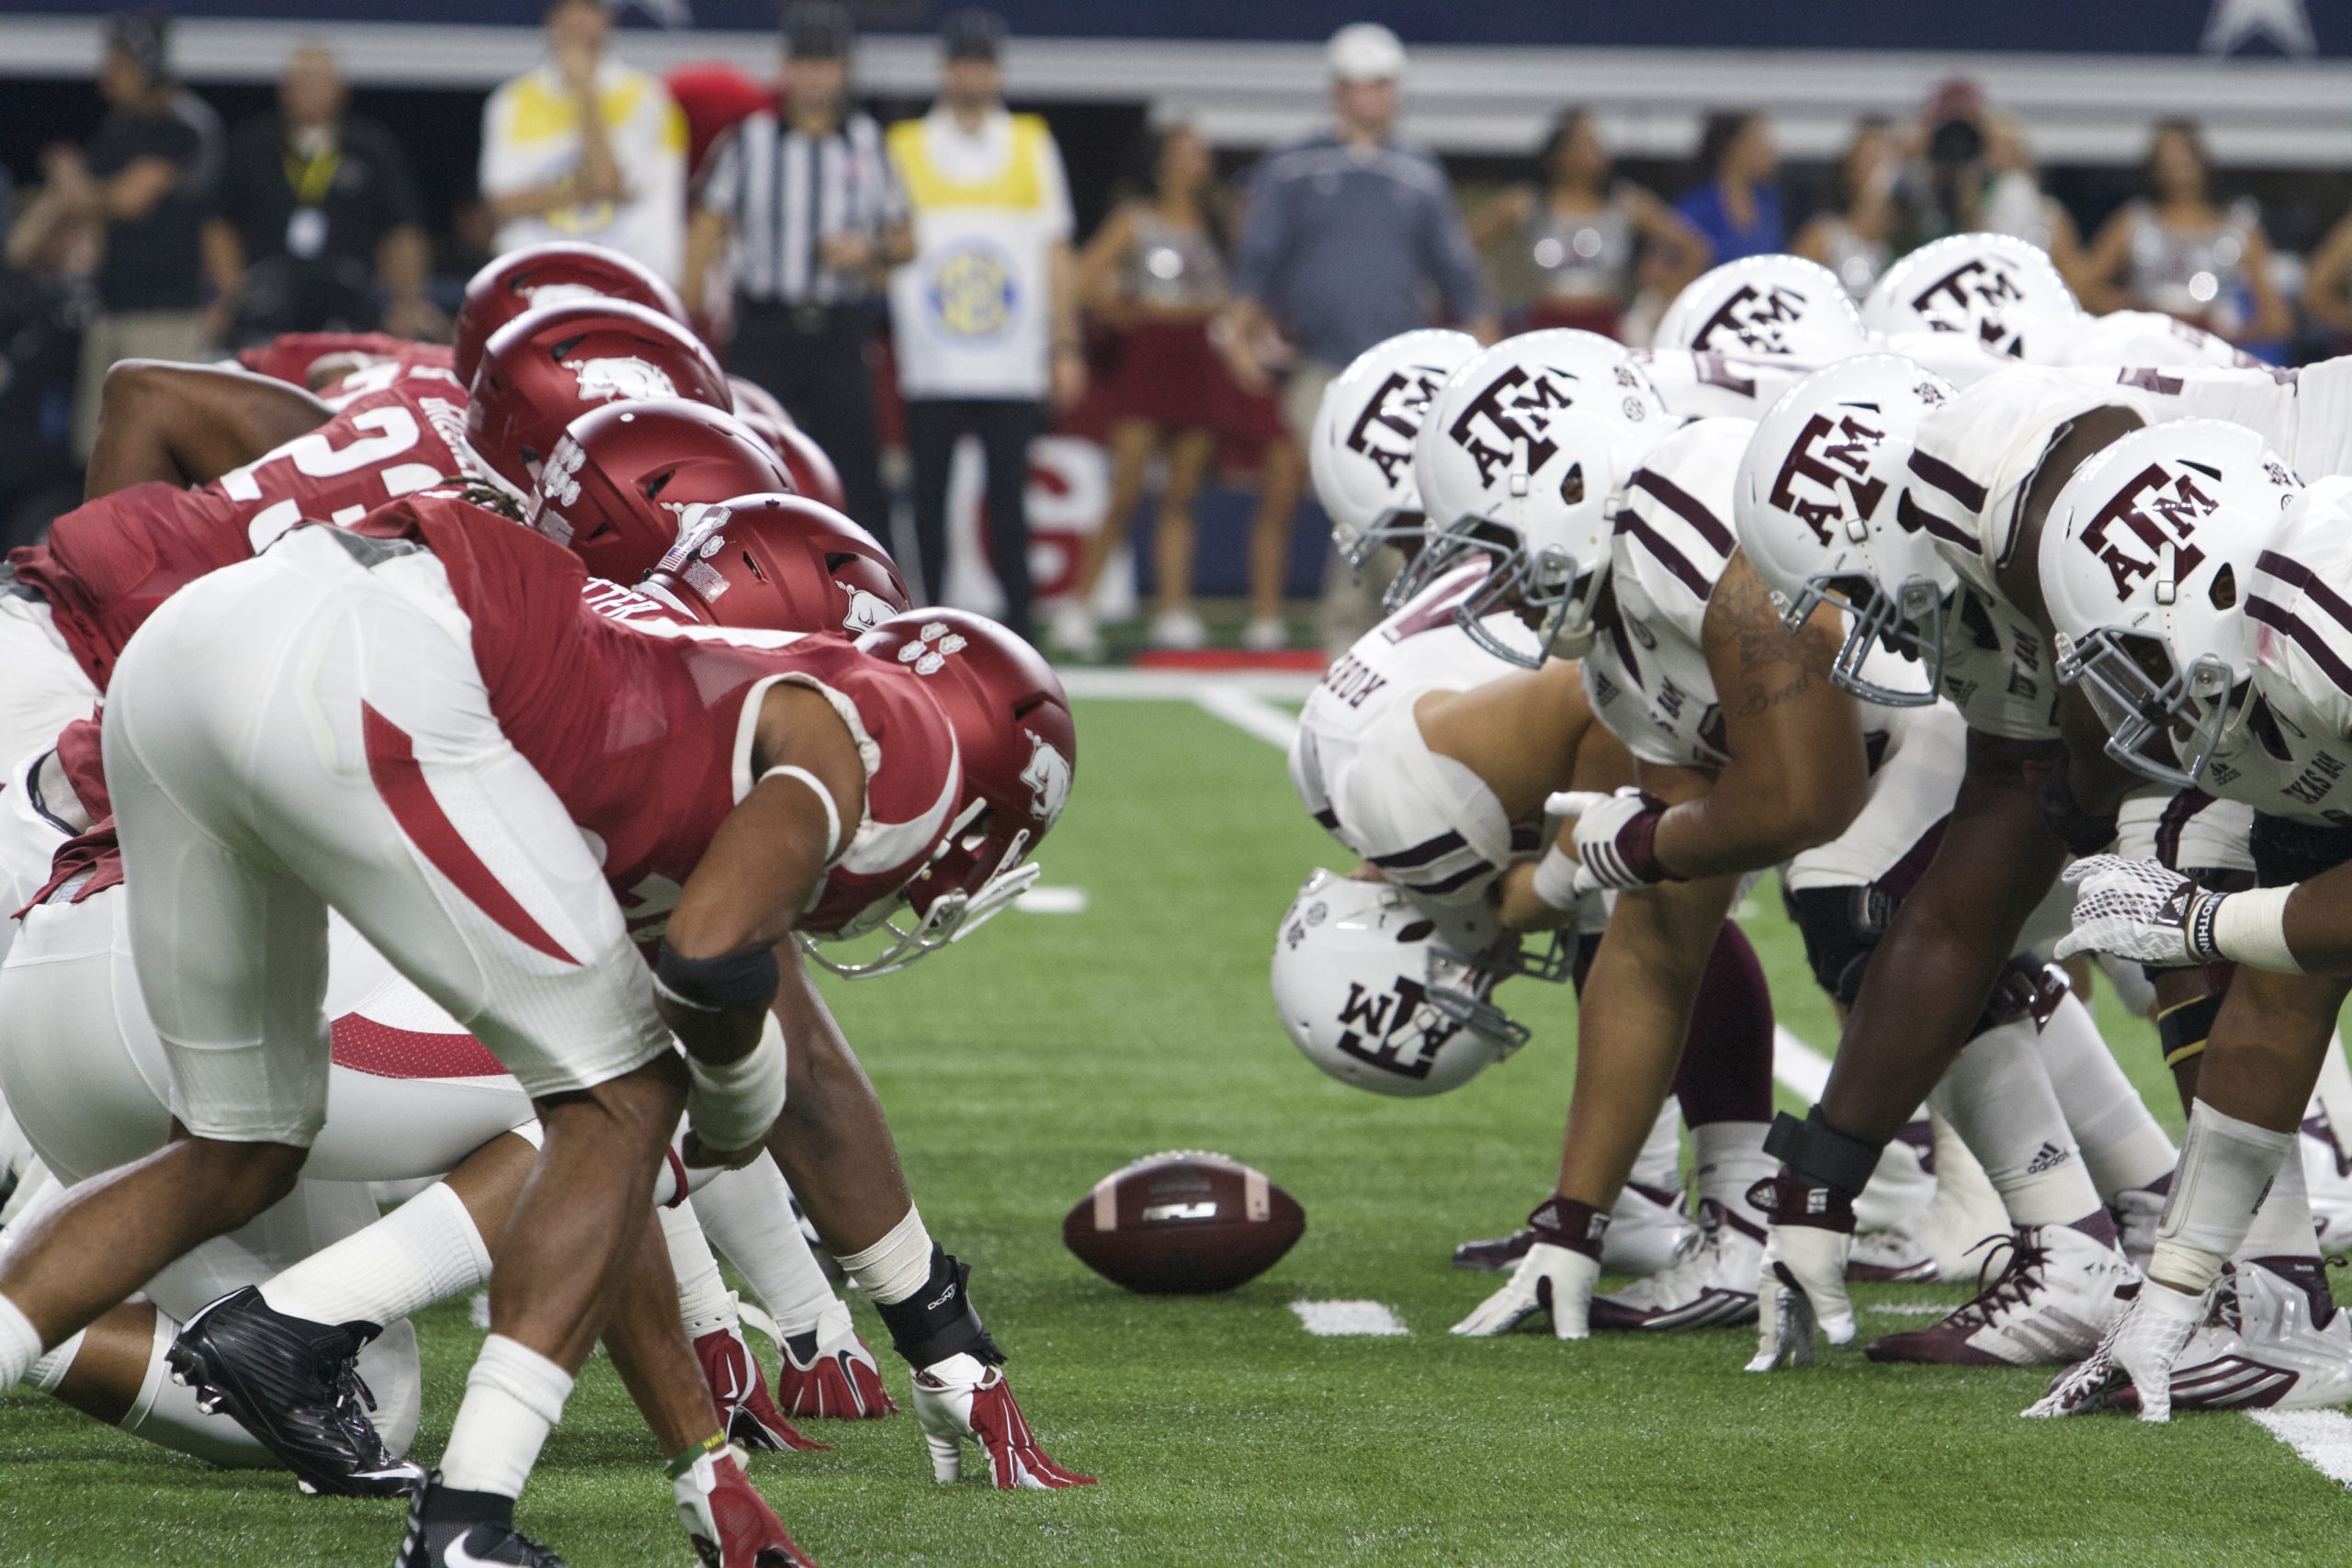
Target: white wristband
column 2251, row 928
column 1555, row 879
column 731, row 1105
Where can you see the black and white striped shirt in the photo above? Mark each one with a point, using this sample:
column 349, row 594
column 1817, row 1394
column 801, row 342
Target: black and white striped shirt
column 783, row 189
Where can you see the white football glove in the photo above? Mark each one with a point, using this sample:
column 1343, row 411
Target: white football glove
column 2137, row 909
column 1614, row 834
column 960, row 1399
column 1801, row 1294
column 1556, row 1279
column 2139, row 1348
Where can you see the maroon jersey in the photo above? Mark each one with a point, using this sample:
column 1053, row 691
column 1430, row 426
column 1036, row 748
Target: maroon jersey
column 289, row 356
column 381, row 446
column 642, row 726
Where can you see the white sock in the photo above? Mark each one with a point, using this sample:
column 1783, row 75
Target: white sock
column 20, row 1344
column 2227, row 1167
column 2282, row 1227
column 424, row 1251
column 1727, row 1158
column 1659, row 1165
column 1998, row 1097
column 703, row 1300
column 748, row 1215
column 896, row 1266
column 166, row 1414
column 2120, row 1142
column 514, row 1398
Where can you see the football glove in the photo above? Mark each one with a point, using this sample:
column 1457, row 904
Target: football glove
column 1615, row 837
column 960, row 1399
column 828, row 1372
column 2140, row 1350
column 738, row 1393
column 2139, row 911
column 730, row 1523
column 1552, row 1279
column 1801, row 1295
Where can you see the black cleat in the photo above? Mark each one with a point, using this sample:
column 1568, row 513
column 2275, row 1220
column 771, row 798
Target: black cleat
column 450, row 1528
column 295, row 1385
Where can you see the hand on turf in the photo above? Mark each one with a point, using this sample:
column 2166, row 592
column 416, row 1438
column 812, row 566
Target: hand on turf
column 960, row 1399
column 1799, row 1294
column 1554, row 1279
column 2138, row 910
column 828, row 1372
column 1615, row 837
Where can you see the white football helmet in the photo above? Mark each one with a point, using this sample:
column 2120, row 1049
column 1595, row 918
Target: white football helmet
column 1360, row 451
column 1369, row 994
column 1522, row 459
column 1776, row 306
column 2005, row 292
column 1821, row 505
column 2146, row 561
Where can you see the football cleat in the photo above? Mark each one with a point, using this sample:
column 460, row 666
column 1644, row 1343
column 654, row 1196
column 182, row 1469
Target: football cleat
column 2141, row 1348
column 2259, row 1348
column 1896, row 1257
column 295, row 1385
column 730, row 1523
column 443, row 1536
column 2137, row 1211
column 1904, row 1183
column 2050, row 1303
column 1710, row 1285
column 1647, row 1232
column 828, row 1372
column 738, row 1393
column 2326, row 1174
column 1947, row 1233
column 961, row 1399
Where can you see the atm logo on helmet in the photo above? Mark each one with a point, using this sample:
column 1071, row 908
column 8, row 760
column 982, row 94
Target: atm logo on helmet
column 1395, row 406
column 1396, row 1031
column 1510, row 409
column 1754, row 319
column 1976, row 290
column 1827, row 455
column 2158, row 509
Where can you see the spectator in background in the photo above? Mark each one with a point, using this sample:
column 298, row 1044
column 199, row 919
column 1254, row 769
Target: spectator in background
column 1156, row 272
column 812, row 213
column 317, row 223
column 145, row 182
column 1589, row 239
column 2179, row 251
column 1855, row 236
column 1738, row 207
column 986, row 314
column 583, row 147
column 2015, row 202
column 1348, row 235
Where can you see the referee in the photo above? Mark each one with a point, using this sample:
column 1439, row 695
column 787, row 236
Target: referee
column 813, row 214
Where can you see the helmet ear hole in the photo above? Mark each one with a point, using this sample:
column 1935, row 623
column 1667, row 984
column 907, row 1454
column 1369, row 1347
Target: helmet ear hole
column 2224, row 591
column 1417, row 931
column 1572, row 486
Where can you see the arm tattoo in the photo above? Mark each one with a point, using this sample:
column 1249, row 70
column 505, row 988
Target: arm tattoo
column 1774, row 665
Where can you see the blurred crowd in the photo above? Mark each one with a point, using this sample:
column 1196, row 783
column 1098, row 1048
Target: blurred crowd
column 908, row 287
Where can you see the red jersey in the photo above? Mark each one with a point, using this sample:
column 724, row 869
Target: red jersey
column 289, row 356
column 382, row 446
column 643, row 725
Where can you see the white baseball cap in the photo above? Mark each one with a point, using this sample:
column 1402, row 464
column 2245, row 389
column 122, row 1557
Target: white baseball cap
column 1365, row 51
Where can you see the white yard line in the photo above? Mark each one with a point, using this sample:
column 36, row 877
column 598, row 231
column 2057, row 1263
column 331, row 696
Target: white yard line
column 2323, row 1438
column 1803, row 1071
column 1045, row 899
column 1336, row 1319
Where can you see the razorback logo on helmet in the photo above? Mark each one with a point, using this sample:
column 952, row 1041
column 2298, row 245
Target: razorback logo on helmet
column 1395, row 406
column 624, row 378
column 1755, row 319
column 1048, row 776
column 699, row 533
column 1971, row 297
column 1396, row 1031
column 1830, row 454
column 560, row 478
column 1510, row 409
column 867, row 611
column 929, row 648
column 2159, row 508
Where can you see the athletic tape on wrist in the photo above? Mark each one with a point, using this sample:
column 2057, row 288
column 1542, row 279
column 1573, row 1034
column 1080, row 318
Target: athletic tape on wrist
column 2181, row 1029
column 1555, row 879
column 731, row 982
column 938, row 1321
column 2171, row 1264
column 1822, row 1154
column 833, row 811
column 2251, row 928
column 731, row 1105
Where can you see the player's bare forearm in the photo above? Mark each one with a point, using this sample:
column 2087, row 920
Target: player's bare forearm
column 832, row 1141
column 1933, row 971
column 1631, row 1020
column 190, row 423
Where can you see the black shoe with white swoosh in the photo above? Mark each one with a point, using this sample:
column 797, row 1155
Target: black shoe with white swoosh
column 450, row 1528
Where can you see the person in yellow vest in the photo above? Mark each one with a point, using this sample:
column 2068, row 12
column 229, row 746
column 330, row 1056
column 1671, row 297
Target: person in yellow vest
column 582, row 147
column 985, row 318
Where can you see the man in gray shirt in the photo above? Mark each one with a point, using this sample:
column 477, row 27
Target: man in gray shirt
column 1350, row 234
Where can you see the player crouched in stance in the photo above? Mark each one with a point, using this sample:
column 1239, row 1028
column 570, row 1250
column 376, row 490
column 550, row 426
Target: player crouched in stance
column 2199, row 598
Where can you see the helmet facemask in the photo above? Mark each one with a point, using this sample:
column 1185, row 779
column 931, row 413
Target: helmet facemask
column 2163, row 722
column 1907, row 621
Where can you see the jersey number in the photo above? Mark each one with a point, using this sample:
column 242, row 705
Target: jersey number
column 386, row 433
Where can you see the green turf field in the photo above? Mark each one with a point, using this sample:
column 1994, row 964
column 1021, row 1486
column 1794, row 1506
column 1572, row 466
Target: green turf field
column 1019, row 1070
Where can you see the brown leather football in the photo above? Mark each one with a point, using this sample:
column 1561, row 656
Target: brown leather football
column 1183, row 1222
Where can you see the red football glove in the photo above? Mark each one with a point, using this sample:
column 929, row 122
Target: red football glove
column 739, row 1392
column 828, row 1373
column 730, row 1523
column 959, row 1398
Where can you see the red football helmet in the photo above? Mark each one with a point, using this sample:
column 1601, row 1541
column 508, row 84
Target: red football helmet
column 778, row 563
column 543, row 369
column 623, row 479
column 561, row 272
column 751, row 398
column 1018, row 746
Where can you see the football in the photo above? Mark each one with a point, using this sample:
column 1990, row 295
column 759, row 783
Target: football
column 1182, row 1224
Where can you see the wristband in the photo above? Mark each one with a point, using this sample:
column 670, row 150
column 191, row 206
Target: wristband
column 2192, row 1267
column 1823, row 1154
column 1570, row 1223
column 2250, row 927
column 745, row 978
column 1555, row 879
column 731, row 1105
column 938, row 1321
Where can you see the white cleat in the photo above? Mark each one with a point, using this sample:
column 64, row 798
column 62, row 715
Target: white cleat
column 2325, row 1173
column 1710, row 1285
column 1647, row 1232
column 2258, row 1350
column 2051, row 1306
column 1948, row 1233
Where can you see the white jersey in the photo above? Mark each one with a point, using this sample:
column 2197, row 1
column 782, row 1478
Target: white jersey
column 2147, row 337
column 2304, row 415
column 1647, row 674
column 1359, row 763
column 1960, row 359
column 1704, row 384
